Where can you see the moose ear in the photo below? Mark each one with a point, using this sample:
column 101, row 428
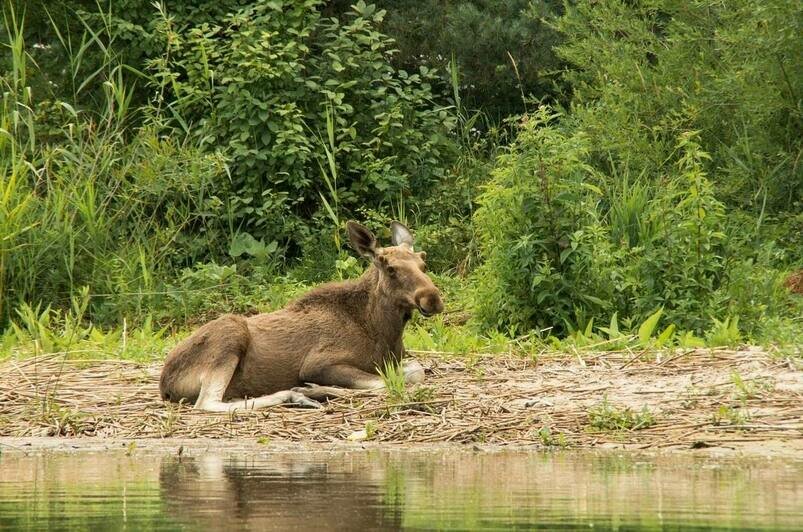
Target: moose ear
column 362, row 240
column 400, row 235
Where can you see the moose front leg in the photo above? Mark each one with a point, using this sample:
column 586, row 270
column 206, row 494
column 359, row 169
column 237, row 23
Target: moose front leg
column 323, row 380
column 345, row 376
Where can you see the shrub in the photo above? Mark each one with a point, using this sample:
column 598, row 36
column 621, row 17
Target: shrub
column 537, row 225
column 86, row 200
column 641, row 74
column 503, row 48
column 669, row 183
column 261, row 83
column 681, row 267
column 560, row 250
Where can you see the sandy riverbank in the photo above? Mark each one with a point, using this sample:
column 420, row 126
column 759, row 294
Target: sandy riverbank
column 727, row 401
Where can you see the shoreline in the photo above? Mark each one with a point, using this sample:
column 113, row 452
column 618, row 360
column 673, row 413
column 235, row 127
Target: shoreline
column 769, row 449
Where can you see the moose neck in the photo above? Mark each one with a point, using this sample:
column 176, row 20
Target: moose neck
column 385, row 317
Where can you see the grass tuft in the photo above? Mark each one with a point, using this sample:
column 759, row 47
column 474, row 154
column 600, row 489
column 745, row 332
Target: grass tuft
column 605, row 416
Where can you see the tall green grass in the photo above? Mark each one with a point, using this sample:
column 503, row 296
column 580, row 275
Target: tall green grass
column 91, row 197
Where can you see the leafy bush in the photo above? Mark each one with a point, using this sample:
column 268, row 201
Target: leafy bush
column 88, row 201
column 108, row 215
column 641, row 74
column 537, row 229
column 560, row 250
column 206, row 290
column 681, row 267
column 503, row 48
column 669, row 183
column 260, row 83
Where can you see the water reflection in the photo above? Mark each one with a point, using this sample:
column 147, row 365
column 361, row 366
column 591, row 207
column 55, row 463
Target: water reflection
column 373, row 490
column 280, row 493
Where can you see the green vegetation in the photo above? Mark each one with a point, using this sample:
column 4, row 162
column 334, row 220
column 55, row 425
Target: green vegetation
column 606, row 416
column 731, row 415
column 266, row 83
column 672, row 180
column 393, row 376
column 550, row 439
column 749, row 389
column 504, row 49
column 582, row 176
column 415, row 397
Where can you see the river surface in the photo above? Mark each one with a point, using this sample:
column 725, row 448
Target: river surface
column 396, row 489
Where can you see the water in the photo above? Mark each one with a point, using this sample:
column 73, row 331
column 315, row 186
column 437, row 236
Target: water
column 387, row 490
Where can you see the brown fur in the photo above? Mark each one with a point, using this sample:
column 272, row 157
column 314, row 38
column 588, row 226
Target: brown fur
column 794, row 283
column 336, row 335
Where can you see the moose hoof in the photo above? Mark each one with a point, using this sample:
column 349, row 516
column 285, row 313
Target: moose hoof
column 413, row 372
column 300, row 399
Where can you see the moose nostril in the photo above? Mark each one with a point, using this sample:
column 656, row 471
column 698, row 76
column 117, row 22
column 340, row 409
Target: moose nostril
column 429, row 302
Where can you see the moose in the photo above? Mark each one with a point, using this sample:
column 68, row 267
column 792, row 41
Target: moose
column 336, row 336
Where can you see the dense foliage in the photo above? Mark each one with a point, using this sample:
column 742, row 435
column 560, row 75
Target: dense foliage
column 577, row 165
column 643, row 75
column 503, row 49
column 673, row 181
column 264, row 84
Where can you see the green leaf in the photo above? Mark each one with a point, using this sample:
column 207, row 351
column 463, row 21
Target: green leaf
column 244, row 243
column 665, row 336
column 589, row 328
column 646, row 329
column 613, row 329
